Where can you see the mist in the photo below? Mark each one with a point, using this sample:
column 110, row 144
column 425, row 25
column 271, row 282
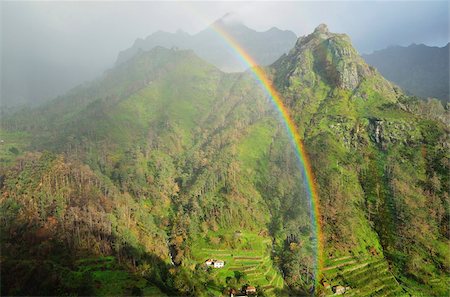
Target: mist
column 49, row 47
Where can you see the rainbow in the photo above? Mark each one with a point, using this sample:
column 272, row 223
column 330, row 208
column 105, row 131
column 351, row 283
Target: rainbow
column 291, row 128
column 292, row 131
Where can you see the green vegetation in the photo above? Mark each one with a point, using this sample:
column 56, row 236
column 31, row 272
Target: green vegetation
column 125, row 186
column 247, row 260
column 380, row 161
column 12, row 144
column 137, row 176
column 363, row 277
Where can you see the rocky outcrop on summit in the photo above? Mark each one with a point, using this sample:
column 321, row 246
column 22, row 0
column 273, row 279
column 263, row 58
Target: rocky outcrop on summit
column 331, row 55
column 349, row 72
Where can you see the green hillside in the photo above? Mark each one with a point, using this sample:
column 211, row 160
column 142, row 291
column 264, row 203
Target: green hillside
column 128, row 184
column 181, row 152
column 381, row 164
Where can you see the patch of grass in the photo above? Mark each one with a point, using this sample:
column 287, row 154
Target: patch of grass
column 109, row 279
column 12, row 145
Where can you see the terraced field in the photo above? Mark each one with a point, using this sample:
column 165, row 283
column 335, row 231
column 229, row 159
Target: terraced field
column 365, row 276
column 250, row 257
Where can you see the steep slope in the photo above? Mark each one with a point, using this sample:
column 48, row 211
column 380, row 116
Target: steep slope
column 175, row 162
column 419, row 69
column 380, row 162
column 264, row 47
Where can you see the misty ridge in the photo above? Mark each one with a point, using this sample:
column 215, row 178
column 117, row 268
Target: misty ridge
column 228, row 158
column 265, row 47
column 36, row 73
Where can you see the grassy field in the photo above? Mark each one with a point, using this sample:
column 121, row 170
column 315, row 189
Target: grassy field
column 249, row 255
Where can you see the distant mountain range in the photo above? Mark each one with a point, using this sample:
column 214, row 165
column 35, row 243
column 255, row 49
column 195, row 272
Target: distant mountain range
column 419, row 69
column 264, row 47
column 26, row 83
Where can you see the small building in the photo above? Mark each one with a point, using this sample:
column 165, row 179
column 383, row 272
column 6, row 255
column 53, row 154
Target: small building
column 215, row 263
column 250, row 290
column 326, row 285
column 338, row 290
column 218, row 263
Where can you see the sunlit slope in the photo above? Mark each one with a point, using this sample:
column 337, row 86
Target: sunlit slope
column 381, row 165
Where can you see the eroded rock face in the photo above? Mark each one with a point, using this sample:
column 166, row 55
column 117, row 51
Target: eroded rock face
column 349, row 132
column 375, row 131
column 348, row 65
column 382, row 132
column 349, row 77
column 385, row 133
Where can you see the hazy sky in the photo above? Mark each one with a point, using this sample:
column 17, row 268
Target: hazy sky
column 80, row 39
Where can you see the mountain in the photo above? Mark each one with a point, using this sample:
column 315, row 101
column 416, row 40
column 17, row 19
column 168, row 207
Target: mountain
column 264, row 47
column 381, row 163
column 126, row 185
column 419, row 69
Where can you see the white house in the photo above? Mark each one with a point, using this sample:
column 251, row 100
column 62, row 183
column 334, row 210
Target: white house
column 219, row 264
column 338, row 290
column 215, row 263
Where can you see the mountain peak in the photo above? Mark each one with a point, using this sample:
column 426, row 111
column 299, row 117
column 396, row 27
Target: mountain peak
column 229, row 20
column 330, row 55
column 322, row 28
